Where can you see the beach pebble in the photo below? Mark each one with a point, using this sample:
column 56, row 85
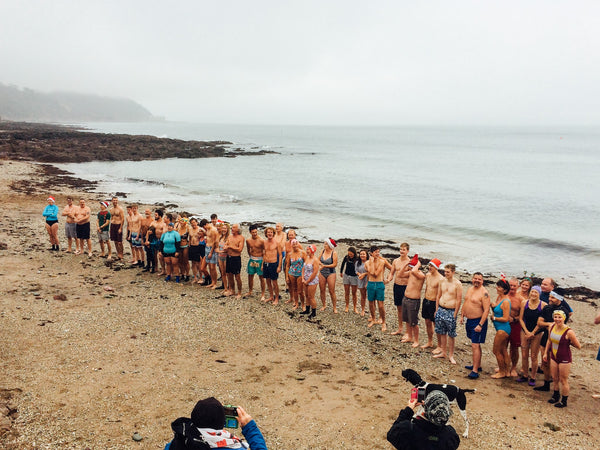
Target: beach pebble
column 5, row 423
column 137, row 437
column 108, row 288
column 61, row 297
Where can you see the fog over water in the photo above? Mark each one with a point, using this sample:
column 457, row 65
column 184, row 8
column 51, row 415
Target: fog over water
column 463, row 62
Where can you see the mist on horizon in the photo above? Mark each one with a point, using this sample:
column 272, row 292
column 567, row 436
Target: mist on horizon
column 315, row 63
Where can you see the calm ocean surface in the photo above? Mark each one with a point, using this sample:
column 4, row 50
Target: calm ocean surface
column 490, row 199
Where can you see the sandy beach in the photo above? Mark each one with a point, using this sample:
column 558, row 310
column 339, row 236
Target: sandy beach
column 124, row 352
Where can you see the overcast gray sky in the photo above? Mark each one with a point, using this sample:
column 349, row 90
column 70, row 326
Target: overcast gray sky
column 316, row 62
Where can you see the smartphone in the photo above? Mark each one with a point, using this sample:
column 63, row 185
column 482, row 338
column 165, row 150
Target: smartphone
column 231, row 420
column 417, row 394
column 414, row 394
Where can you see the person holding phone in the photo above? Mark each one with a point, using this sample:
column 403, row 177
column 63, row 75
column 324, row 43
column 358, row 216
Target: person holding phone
column 204, row 429
column 425, row 430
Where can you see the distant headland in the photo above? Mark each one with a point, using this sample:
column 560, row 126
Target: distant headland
column 28, row 105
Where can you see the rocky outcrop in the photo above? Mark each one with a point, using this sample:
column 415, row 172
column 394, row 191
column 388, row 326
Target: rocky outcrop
column 61, row 144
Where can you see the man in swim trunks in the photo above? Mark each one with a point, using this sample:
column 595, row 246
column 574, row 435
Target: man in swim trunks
column 272, row 262
column 411, row 303
column 134, row 229
column 256, row 248
column 448, row 302
column 400, row 273
column 82, row 220
column 195, row 251
column 70, row 226
column 233, row 266
column 212, row 239
column 515, row 325
column 375, row 267
column 160, row 227
column 103, row 227
column 117, row 218
column 476, row 310
column 432, row 282
column 128, row 238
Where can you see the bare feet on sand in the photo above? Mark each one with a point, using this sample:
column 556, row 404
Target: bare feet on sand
column 396, row 333
column 428, row 345
column 415, row 344
column 440, row 355
column 452, row 360
column 383, row 327
column 436, row 350
column 500, row 375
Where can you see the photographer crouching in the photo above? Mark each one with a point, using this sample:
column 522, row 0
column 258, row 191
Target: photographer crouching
column 427, row 430
column 204, row 430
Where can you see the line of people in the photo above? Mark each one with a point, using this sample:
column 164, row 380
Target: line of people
column 528, row 319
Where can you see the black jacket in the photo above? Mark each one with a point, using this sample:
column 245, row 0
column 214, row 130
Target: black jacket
column 418, row 433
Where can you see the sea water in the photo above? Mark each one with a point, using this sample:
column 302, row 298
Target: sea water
column 510, row 199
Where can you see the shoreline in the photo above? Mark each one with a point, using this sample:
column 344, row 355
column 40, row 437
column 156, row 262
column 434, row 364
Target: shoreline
column 124, row 352
column 389, row 248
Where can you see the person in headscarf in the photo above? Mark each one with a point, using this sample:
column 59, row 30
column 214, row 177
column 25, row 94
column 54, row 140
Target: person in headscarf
column 426, row 430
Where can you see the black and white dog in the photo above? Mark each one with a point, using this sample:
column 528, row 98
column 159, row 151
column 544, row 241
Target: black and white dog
column 455, row 394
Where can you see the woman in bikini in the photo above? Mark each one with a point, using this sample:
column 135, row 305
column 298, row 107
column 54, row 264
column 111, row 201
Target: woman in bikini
column 287, row 248
column 310, row 280
column 558, row 351
column 531, row 335
column 328, row 260
column 500, row 315
column 183, row 228
column 293, row 269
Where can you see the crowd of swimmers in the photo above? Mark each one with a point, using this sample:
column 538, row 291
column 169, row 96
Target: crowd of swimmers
column 530, row 321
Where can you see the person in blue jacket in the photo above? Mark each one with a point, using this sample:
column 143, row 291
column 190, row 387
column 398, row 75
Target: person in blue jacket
column 204, row 430
column 51, row 215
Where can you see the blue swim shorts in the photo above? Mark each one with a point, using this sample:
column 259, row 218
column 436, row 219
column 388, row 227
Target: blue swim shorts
column 445, row 323
column 476, row 338
column 254, row 266
column 375, row 291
